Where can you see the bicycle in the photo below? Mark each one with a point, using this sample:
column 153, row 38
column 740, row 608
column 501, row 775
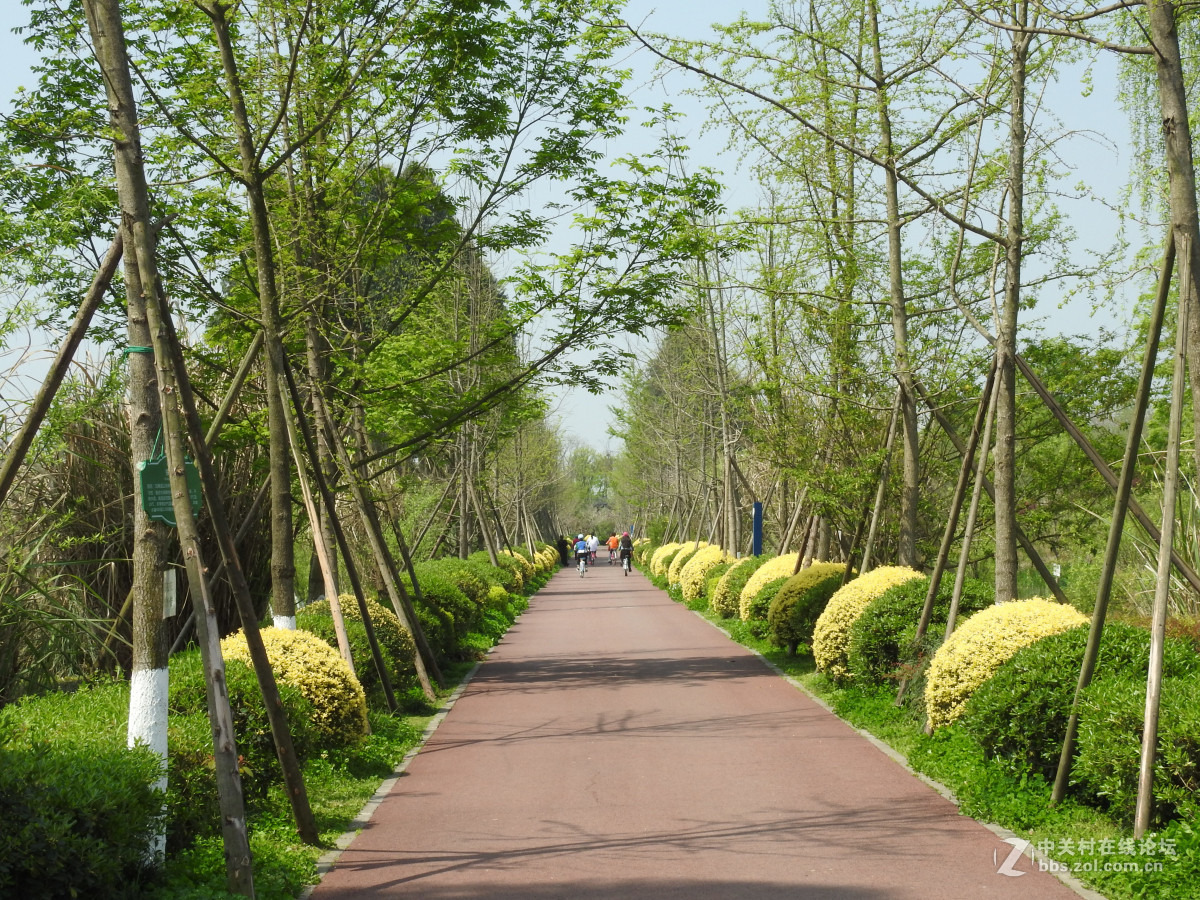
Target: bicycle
column 583, row 564
column 626, row 564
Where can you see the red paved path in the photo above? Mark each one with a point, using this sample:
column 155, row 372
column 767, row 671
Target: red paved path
column 617, row 746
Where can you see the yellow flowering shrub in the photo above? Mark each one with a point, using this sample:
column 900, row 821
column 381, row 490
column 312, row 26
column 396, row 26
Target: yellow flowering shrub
column 692, row 576
column 831, row 636
column 724, row 599
column 680, row 559
column 306, row 662
column 779, row 567
column 982, row 644
column 526, row 565
column 662, row 558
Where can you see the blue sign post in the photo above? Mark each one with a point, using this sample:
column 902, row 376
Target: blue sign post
column 757, row 544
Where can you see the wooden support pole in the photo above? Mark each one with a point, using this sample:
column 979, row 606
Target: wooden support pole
column 360, row 596
column 1027, row 545
column 425, row 662
column 23, row 439
column 1116, row 526
column 964, row 552
column 982, row 411
column 1162, row 592
column 319, row 547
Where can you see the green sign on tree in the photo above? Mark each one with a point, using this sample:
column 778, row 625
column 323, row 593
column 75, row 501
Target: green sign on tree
column 156, row 489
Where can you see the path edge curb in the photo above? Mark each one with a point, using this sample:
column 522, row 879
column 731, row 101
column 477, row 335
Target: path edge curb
column 892, row 753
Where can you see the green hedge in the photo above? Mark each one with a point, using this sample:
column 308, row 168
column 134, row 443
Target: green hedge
column 724, row 599
column 799, row 601
column 1111, row 718
column 396, row 645
column 882, row 639
column 78, row 808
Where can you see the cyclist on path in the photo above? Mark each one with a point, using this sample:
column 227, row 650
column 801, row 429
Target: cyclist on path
column 581, row 550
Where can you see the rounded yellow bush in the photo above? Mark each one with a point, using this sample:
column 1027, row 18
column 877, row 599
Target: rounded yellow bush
column 662, row 557
column 982, row 644
column 694, row 572
column 680, row 559
column 526, row 565
column 314, row 668
column 831, row 636
column 778, row 567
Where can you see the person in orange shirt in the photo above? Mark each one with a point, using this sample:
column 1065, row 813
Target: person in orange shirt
column 613, row 542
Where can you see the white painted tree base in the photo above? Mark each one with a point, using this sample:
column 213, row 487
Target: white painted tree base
column 287, row 623
column 148, row 727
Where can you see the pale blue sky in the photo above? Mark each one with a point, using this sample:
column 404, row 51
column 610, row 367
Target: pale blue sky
column 1101, row 159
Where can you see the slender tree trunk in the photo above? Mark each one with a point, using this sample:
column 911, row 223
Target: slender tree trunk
column 906, row 551
column 108, row 39
column 1006, row 334
column 151, row 540
column 283, row 568
column 1181, row 173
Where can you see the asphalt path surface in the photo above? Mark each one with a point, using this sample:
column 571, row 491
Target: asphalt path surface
column 615, row 745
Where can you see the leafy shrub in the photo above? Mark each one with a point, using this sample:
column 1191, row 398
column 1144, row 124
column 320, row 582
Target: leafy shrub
column 1111, row 719
column 882, row 639
column 776, row 567
column 508, row 570
column 693, row 574
column 1020, row 713
column 76, row 823
column 396, row 645
column 192, row 807
column 982, row 644
column 724, row 599
column 713, row 577
column 447, row 613
column 831, row 634
column 800, row 600
column 756, row 609
column 339, row 707
column 188, row 695
column 662, row 558
column 686, row 552
column 78, row 812
column 469, row 577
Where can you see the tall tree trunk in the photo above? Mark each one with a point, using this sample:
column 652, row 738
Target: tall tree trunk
column 108, row 39
column 906, row 550
column 1006, row 333
column 283, row 568
column 1181, row 174
column 151, row 541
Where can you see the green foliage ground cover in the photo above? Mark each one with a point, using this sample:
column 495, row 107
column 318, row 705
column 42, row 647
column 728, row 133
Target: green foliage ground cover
column 989, row 788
